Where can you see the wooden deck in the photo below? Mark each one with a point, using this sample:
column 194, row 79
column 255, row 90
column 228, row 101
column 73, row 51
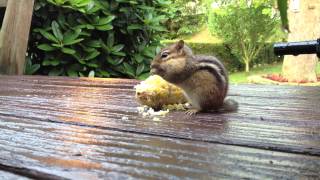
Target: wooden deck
column 56, row 128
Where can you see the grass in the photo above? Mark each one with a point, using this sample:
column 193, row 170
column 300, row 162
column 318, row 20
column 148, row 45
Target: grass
column 241, row 77
column 203, row 36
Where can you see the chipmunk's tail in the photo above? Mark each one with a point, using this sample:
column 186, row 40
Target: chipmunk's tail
column 230, row 105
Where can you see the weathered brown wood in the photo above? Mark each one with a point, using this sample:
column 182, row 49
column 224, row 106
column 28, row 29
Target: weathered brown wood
column 70, row 81
column 280, row 118
column 14, row 36
column 3, row 3
column 73, row 151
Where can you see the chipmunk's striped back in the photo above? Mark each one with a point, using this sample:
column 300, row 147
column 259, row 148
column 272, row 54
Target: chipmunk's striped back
column 216, row 68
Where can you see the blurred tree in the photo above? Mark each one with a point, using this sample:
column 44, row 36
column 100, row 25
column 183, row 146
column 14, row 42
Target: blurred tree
column 283, row 7
column 244, row 24
column 304, row 24
column 187, row 17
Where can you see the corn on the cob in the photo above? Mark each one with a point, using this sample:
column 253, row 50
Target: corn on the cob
column 155, row 92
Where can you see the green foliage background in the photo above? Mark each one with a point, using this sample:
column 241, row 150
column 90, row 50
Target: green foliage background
column 116, row 38
column 245, row 26
column 119, row 38
column 186, row 18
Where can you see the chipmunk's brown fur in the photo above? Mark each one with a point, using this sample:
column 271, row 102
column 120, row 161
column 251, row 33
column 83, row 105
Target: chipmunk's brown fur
column 203, row 79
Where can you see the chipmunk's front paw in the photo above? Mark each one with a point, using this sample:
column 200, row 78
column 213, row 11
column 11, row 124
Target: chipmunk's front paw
column 192, row 112
column 187, row 106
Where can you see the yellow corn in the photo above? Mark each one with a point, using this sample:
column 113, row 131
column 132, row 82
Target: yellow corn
column 155, row 92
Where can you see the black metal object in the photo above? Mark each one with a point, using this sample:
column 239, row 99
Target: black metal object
column 296, row 48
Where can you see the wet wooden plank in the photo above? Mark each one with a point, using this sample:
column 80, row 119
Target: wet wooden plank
column 45, row 81
column 263, row 91
column 10, row 176
column 289, row 122
column 72, row 151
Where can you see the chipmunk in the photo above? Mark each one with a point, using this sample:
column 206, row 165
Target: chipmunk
column 203, row 79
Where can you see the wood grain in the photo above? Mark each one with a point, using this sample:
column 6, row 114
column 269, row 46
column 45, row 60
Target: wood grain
column 278, row 118
column 14, row 36
column 79, row 152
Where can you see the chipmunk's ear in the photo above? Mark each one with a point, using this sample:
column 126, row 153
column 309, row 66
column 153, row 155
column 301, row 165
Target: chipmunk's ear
column 180, row 44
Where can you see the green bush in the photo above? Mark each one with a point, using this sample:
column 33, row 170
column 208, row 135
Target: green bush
column 266, row 55
column 116, row 38
column 221, row 51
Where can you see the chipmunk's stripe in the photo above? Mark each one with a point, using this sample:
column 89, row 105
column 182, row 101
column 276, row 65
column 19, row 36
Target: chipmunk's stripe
column 214, row 70
column 217, row 63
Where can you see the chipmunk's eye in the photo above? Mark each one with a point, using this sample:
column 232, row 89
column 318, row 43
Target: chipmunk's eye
column 164, row 55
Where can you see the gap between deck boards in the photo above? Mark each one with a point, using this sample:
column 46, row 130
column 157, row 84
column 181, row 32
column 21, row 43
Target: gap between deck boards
column 29, row 173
